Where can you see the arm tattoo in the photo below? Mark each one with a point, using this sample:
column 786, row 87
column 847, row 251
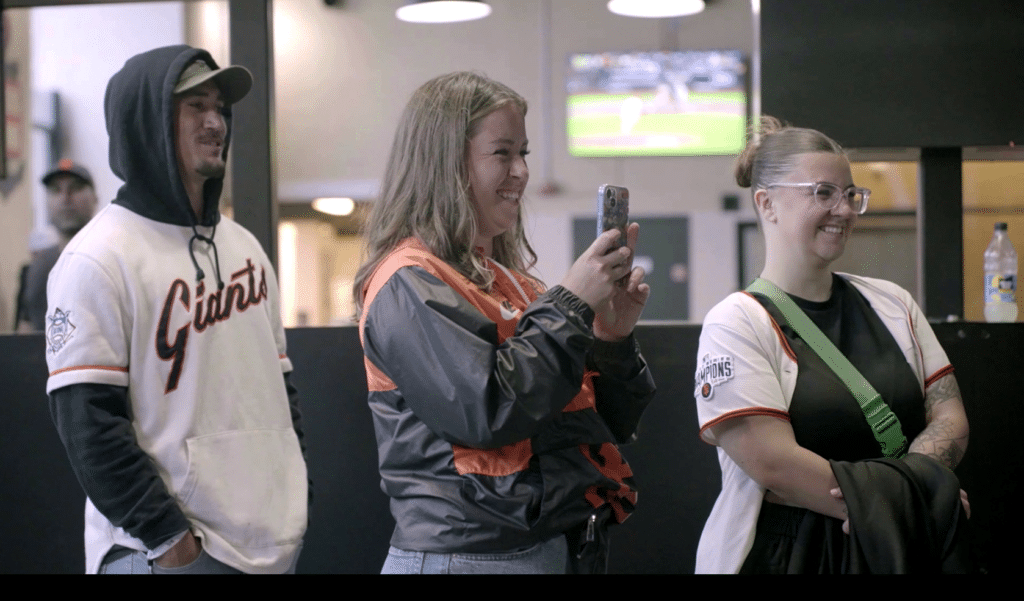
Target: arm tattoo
column 943, row 390
column 939, row 439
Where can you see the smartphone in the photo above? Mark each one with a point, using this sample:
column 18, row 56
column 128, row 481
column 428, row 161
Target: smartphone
column 613, row 211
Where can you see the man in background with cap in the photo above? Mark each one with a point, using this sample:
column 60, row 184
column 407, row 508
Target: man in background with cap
column 169, row 381
column 71, row 202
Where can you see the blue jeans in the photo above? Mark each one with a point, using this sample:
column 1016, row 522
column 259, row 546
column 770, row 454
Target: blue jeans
column 548, row 557
column 127, row 561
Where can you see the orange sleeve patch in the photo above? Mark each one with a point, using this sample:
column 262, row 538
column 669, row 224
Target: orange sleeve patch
column 409, row 252
column 584, row 399
column 503, row 461
column 376, row 380
column 399, row 258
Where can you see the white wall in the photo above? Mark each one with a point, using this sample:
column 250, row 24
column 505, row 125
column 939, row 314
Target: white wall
column 344, row 74
column 75, row 51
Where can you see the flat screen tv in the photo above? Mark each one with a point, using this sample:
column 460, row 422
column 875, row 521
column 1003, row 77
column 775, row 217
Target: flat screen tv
column 678, row 103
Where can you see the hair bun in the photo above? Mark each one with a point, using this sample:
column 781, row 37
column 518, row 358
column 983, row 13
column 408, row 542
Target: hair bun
column 766, row 126
column 769, row 125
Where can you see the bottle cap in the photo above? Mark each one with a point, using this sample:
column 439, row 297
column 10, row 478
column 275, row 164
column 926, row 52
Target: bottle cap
column 1001, row 226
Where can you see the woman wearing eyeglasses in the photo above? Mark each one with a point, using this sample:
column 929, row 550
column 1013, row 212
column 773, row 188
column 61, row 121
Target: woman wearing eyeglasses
column 777, row 412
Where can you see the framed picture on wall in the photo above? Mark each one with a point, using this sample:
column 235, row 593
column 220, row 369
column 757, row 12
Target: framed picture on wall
column 664, row 255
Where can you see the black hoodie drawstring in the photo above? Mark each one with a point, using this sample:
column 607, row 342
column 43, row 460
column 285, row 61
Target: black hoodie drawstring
column 216, row 258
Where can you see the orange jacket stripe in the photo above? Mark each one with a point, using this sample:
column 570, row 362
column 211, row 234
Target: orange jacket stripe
column 504, row 461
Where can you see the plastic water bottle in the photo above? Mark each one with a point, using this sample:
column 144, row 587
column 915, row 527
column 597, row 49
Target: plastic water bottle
column 1000, row 277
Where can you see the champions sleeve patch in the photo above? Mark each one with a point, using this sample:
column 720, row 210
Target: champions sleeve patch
column 59, row 330
column 712, row 371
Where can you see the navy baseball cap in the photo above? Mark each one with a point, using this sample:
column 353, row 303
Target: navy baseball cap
column 68, row 167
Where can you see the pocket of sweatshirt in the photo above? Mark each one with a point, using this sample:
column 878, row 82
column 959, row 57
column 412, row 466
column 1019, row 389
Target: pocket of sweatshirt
column 249, row 487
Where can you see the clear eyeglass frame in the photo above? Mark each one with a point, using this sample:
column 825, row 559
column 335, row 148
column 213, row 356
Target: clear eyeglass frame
column 832, row 194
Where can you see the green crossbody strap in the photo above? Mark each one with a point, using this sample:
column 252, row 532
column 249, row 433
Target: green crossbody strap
column 884, row 423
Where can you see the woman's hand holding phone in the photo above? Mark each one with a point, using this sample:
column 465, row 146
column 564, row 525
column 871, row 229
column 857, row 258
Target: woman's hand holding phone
column 594, row 279
column 620, row 314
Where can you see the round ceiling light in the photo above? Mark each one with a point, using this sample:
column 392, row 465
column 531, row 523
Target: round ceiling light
column 655, row 8
column 335, row 206
column 443, row 11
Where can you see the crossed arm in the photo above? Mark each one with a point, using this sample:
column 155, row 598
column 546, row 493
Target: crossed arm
column 766, row 449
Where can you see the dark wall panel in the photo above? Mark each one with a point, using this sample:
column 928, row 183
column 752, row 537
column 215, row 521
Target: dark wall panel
column 350, row 524
column 43, row 505
column 988, row 358
column 896, row 73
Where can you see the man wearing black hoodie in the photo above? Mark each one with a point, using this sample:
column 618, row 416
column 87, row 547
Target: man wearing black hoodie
column 168, row 373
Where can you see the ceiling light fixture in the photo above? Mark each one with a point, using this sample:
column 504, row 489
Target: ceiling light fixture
column 335, row 206
column 443, row 11
column 655, row 8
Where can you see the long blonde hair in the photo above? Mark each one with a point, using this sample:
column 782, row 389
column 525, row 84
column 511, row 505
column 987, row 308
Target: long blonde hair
column 425, row 191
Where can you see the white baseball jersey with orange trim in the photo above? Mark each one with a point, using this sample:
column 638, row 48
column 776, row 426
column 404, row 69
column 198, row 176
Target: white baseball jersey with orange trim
column 746, row 367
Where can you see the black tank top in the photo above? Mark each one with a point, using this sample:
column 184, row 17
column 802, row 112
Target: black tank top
column 825, row 416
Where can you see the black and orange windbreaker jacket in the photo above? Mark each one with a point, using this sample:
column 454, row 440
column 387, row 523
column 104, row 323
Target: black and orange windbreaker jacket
column 497, row 414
